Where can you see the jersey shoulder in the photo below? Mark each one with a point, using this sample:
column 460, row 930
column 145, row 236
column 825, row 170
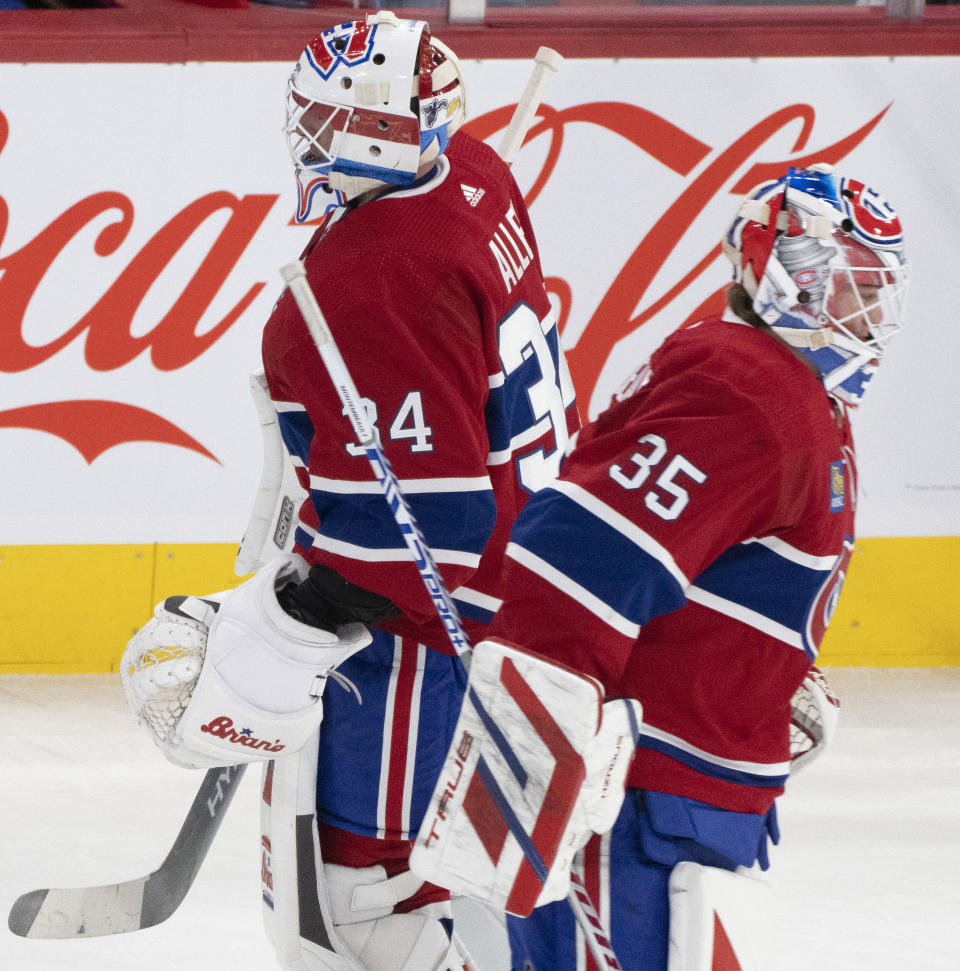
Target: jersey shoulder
column 728, row 359
column 470, row 156
column 720, row 381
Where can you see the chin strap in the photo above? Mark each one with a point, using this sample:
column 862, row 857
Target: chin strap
column 810, row 339
column 827, row 337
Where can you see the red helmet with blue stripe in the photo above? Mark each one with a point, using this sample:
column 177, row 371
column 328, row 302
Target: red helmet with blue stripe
column 822, row 258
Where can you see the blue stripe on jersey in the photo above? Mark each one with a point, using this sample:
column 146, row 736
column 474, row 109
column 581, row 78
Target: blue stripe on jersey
column 471, row 611
column 296, row 428
column 459, row 521
column 576, row 542
column 303, row 537
column 754, row 576
column 715, row 771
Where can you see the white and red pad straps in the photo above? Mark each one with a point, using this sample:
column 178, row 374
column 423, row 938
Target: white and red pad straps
column 514, row 801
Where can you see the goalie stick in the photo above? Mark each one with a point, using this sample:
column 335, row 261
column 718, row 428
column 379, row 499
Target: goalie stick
column 133, row 904
column 293, row 274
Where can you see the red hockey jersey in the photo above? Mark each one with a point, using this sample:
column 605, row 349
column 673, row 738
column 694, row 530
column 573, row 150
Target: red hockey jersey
column 434, row 295
column 691, row 554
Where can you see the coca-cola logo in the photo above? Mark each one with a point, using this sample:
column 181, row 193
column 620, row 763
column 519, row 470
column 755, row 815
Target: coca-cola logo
column 176, row 339
column 93, row 426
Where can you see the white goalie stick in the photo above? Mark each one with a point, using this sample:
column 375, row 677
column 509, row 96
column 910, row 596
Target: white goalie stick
column 546, row 62
column 295, row 277
column 133, row 904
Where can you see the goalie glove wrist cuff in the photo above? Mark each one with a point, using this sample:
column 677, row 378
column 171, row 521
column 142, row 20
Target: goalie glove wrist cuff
column 327, row 601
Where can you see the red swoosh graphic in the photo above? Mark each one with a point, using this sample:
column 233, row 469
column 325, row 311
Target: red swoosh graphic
column 94, row 426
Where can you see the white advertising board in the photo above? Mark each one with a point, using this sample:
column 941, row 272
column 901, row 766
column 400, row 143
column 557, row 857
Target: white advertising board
column 145, row 210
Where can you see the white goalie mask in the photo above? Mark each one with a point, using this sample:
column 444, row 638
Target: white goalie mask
column 822, row 258
column 370, row 103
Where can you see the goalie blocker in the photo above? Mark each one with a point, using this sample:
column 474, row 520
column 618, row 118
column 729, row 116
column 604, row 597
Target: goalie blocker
column 537, row 764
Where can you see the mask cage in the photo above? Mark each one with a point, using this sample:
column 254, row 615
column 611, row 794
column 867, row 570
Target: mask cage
column 314, row 130
column 863, row 297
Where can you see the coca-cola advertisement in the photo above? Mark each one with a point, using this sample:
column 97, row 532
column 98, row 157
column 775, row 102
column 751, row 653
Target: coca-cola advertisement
column 145, row 210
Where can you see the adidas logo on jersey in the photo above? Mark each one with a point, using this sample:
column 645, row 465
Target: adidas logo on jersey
column 472, row 195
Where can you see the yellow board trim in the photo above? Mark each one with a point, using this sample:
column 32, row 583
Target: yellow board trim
column 899, row 606
column 72, row 609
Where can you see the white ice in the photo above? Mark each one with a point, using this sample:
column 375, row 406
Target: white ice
column 867, row 875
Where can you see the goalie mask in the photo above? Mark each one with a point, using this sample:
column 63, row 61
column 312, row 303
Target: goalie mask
column 822, row 258
column 369, row 103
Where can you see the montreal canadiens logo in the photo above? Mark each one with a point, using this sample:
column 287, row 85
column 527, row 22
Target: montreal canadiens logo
column 873, row 218
column 347, row 45
column 825, row 603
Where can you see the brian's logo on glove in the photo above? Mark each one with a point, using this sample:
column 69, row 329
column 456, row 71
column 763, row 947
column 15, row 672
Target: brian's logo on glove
column 222, row 727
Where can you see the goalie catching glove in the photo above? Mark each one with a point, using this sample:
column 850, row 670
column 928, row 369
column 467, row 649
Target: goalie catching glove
column 538, row 763
column 235, row 677
column 814, row 713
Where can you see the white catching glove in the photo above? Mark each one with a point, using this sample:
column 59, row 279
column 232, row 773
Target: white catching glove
column 162, row 662
column 537, row 764
column 232, row 677
column 814, row 714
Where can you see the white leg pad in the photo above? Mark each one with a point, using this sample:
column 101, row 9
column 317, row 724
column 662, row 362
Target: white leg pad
column 361, row 906
column 270, row 529
column 325, row 917
column 399, row 942
column 720, row 920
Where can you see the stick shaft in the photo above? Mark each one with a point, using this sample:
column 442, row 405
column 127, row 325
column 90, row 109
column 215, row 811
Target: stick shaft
column 591, row 926
column 547, row 63
column 296, row 280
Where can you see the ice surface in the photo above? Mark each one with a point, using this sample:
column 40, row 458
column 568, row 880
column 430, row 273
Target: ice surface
column 867, row 875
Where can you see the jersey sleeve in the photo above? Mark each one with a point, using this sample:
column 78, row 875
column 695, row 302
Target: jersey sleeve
column 658, row 487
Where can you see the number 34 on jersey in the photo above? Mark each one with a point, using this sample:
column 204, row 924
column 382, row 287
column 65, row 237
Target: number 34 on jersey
column 529, row 399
